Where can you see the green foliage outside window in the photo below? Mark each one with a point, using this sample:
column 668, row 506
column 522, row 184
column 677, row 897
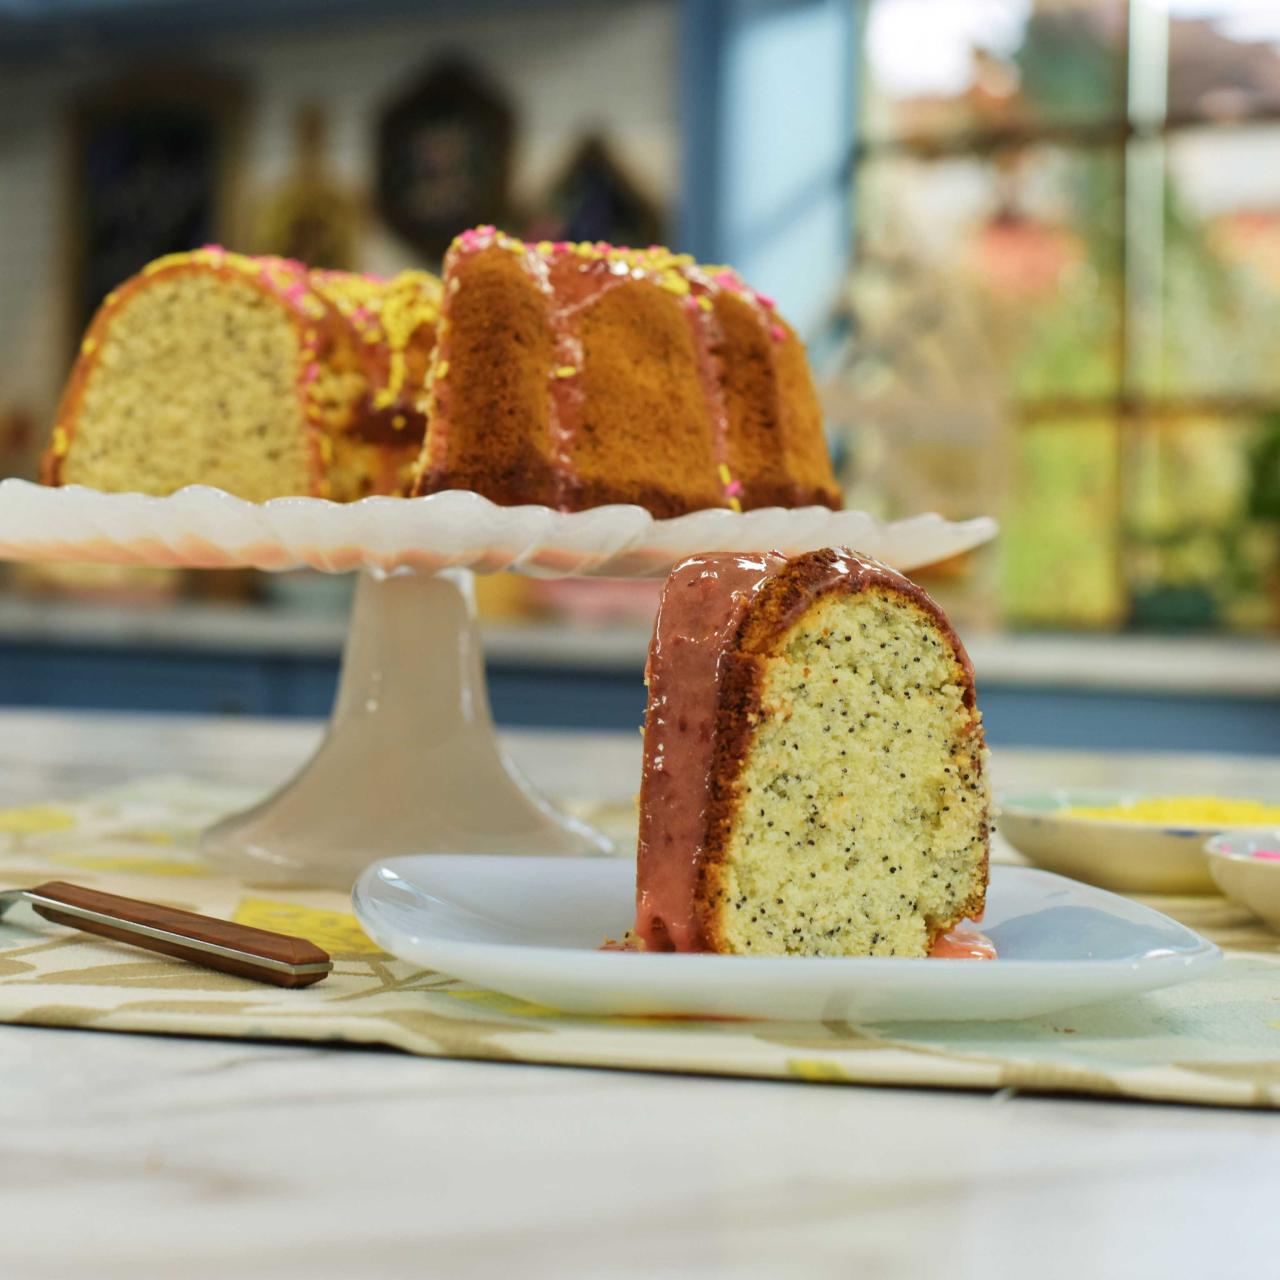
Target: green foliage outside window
column 1103, row 283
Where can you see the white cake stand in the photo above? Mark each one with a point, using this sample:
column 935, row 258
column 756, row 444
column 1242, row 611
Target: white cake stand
column 410, row 762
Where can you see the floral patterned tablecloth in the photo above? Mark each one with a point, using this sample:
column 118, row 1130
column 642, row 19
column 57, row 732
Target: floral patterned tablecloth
column 1215, row 1042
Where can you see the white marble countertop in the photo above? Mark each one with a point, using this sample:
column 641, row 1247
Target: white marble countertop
column 1223, row 665
column 132, row 1156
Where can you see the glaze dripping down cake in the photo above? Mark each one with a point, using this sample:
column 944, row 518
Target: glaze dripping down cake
column 814, row 765
column 254, row 375
column 576, row 375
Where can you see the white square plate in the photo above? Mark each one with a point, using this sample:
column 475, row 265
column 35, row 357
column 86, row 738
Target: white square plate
column 532, row 927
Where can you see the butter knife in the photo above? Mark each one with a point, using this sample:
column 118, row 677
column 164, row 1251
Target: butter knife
column 260, row 954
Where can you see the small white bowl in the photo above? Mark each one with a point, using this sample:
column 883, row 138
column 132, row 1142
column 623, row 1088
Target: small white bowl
column 1249, row 881
column 1125, row 857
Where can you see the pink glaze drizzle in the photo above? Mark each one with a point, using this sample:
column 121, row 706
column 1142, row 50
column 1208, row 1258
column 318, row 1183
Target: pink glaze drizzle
column 702, row 605
column 962, row 944
column 570, row 284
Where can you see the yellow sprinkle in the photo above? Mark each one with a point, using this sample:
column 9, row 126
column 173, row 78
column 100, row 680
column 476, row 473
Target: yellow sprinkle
column 384, row 399
column 735, row 505
column 111, row 297
column 88, row 346
column 442, row 369
column 723, row 472
column 704, row 302
column 673, row 282
column 61, row 441
column 399, row 422
column 1196, row 811
column 566, row 371
column 162, row 264
column 311, row 336
column 545, row 247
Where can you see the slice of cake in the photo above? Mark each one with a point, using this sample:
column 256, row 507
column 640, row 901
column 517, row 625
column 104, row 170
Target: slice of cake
column 576, row 375
column 253, row 375
column 814, row 765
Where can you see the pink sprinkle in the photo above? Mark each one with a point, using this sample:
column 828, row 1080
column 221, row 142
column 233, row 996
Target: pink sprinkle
column 311, row 372
column 1267, row 855
column 726, row 279
column 778, row 333
column 733, row 488
column 560, row 246
column 765, row 301
column 360, row 314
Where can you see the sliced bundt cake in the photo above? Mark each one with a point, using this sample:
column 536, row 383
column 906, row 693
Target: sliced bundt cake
column 814, row 766
column 253, row 375
column 576, row 375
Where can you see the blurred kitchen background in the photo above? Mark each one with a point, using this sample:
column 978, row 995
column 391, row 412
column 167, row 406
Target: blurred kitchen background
column 1034, row 247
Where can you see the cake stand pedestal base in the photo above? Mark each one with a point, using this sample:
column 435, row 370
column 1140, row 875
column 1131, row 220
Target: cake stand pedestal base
column 410, row 762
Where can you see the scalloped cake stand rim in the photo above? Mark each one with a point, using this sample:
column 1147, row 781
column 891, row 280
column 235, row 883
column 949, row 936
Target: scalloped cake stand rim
column 201, row 527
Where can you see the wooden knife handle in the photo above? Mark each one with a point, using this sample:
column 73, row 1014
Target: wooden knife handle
column 248, row 952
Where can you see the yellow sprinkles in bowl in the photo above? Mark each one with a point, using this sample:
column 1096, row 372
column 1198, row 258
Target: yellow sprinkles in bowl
column 1189, row 811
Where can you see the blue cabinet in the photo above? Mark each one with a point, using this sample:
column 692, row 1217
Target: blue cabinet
column 163, row 680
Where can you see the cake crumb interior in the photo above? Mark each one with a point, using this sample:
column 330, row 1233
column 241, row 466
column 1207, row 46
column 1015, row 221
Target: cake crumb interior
column 861, row 827
column 196, row 381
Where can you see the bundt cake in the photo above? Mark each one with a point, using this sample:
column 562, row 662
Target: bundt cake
column 814, row 765
column 254, row 375
column 576, row 375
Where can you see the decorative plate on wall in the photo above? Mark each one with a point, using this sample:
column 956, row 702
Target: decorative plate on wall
column 444, row 157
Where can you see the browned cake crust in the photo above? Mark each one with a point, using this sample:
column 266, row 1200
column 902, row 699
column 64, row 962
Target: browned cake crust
column 782, row 601
column 622, row 454
column 776, row 443
column 490, row 412
column 805, row 460
column 579, row 375
column 752, row 405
